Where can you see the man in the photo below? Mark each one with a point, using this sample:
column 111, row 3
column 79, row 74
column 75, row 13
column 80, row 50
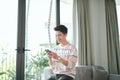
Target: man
column 63, row 57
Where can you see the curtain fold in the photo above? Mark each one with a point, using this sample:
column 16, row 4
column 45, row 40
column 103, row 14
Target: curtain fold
column 113, row 46
column 84, row 43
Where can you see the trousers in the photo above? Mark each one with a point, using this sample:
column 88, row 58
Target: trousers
column 60, row 77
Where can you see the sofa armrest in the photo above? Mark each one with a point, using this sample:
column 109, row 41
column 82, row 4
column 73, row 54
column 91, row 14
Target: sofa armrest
column 83, row 73
column 47, row 72
column 99, row 73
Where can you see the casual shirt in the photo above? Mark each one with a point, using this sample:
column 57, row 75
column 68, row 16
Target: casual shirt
column 68, row 52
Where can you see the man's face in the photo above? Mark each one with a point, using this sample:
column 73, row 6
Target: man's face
column 60, row 37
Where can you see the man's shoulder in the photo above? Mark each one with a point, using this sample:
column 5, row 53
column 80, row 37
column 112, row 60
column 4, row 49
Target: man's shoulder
column 72, row 46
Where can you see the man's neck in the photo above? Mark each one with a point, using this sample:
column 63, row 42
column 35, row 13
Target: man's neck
column 64, row 43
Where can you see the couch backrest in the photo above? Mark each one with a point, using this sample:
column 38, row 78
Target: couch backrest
column 91, row 73
column 83, row 73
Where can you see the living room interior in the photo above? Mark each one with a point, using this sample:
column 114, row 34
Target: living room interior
column 26, row 30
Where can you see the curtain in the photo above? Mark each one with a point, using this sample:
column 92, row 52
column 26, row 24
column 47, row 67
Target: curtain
column 81, row 20
column 86, row 48
column 113, row 47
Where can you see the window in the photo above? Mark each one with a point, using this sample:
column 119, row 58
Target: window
column 39, row 35
column 8, row 39
column 67, row 17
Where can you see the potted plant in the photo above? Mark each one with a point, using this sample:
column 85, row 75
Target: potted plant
column 39, row 62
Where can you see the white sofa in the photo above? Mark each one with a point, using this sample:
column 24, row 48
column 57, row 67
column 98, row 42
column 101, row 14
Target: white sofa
column 47, row 72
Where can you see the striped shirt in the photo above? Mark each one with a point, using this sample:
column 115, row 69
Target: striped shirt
column 68, row 52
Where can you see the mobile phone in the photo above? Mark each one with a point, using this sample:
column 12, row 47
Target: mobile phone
column 47, row 50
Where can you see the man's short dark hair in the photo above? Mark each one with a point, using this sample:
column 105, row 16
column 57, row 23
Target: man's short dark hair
column 61, row 28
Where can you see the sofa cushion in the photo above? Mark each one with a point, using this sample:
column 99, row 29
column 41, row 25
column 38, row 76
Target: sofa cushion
column 99, row 73
column 83, row 73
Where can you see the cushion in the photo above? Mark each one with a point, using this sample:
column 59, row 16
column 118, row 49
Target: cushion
column 99, row 73
column 83, row 73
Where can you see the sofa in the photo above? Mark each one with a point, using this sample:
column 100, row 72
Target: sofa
column 94, row 73
column 87, row 73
